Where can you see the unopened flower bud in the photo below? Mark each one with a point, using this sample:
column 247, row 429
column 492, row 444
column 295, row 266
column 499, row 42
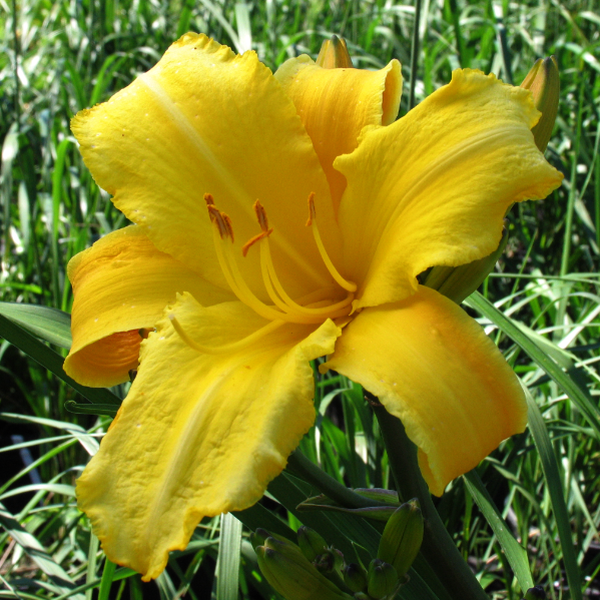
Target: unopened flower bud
column 535, row 593
column 402, row 537
column 457, row 283
column 290, row 573
column 544, row 82
column 355, row 577
column 311, row 543
column 383, row 579
column 334, row 54
column 258, row 537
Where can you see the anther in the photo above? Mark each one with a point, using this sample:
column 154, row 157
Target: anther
column 208, row 198
column 261, row 215
column 312, row 212
column 222, row 221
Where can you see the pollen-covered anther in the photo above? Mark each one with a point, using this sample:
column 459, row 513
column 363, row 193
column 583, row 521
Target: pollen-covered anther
column 222, row 221
column 312, row 212
column 261, row 216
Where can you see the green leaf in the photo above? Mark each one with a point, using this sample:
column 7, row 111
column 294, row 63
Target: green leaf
column 515, row 553
column 228, row 564
column 553, row 481
column 52, row 361
column 60, row 579
column 49, row 324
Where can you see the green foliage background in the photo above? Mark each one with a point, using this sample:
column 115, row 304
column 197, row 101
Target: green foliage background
column 60, row 57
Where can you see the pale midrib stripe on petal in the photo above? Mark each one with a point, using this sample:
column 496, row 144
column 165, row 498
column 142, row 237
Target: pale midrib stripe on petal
column 181, row 455
column 225, row 176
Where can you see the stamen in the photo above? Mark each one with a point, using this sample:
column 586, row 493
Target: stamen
column 222, row 221
column 222, row 229
column 270, row 276
column 350, row 286
column 225, row 348
column 261, row 215
column 273, row 286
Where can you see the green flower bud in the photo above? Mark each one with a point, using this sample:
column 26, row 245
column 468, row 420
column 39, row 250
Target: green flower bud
column 383, row 579
column 535, row 593
column 311, row 543
column 457, row 283
column 258, row 537
column 355, row 577
column 290, row 573
column 402, row 537
column 544, row 82
column 334, row 54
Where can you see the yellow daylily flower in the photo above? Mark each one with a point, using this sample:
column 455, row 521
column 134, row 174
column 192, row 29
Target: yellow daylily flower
column 218, row 163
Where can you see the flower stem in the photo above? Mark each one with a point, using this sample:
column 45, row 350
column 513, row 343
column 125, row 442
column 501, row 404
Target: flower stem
column 299, row 465
column 438, row 547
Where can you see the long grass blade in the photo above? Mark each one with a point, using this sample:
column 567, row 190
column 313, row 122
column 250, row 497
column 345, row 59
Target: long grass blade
column 228, row 565
column 515, row 553
column 555, row 489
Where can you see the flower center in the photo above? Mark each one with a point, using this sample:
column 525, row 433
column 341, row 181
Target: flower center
column 312, row 308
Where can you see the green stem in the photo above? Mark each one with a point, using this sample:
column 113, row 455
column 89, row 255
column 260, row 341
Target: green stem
column 301, row 466
column 438, row 547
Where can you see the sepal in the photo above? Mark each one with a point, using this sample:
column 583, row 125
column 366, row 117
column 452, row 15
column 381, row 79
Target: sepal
column 457, row 283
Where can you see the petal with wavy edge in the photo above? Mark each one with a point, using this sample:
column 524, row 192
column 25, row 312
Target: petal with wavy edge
column 433, row 188
column 199, row 434
column 204, row 120
column 122, row 284
column 433, row 367
column 335, row 105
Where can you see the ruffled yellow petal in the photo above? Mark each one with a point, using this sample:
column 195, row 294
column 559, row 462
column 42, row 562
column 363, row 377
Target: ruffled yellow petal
column 199, row 434
column 204, row 120
column 335, row 105
column 433, row 187
column 122, row 284
column 432, row 366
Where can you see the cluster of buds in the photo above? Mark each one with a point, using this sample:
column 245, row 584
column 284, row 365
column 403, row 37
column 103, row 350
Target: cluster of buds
column 457, row 283
column 312, row 569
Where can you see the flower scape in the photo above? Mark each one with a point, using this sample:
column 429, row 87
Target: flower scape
column 279, row 218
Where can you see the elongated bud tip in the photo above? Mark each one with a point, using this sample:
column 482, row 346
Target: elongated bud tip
column 544, row 83
column 292, row 575
column 355, row 577
column 402, row 537
column 535, row 593
column 311, row 543
column 383, row 579
column 334, row 54
column 258, row 537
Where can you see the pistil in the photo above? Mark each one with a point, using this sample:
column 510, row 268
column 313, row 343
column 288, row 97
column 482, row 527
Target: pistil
column 225, row 348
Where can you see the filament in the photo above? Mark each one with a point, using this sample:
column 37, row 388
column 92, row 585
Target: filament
column 312, row 222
